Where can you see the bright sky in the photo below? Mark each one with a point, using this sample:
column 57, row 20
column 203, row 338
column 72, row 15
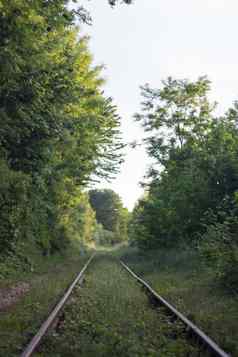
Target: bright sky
column 151, row 40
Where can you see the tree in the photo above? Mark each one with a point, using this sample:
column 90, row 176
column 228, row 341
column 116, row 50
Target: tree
column 57, row 127
column 195, row 165
column 175, row 116
column 114, row 2
column 110, row 212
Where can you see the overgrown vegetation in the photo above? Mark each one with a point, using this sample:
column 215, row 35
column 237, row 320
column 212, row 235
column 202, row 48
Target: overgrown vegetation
column 111, row 216
column 180, row 277
column 59, row 132
column 191, row 197
column 47, row 282
column 57, row 127
column 112, row 316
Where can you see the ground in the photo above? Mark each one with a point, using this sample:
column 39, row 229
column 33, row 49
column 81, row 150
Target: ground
column 106, row 312
column 180, row 276
column 110, row 315
column 39, row 291
column 10, row 295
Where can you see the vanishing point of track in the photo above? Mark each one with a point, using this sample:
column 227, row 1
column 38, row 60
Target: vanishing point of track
column 192, row 330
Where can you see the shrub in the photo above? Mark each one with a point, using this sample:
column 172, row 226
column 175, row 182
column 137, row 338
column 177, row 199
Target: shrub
column 219, row 247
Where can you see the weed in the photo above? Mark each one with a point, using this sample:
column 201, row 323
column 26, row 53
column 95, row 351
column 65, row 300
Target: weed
column 111, row 316
column 192, row 288
column 47, row 283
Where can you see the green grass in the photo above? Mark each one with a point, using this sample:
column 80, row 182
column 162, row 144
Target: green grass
column 110, row 315
column 48, row 279
column 180, row 277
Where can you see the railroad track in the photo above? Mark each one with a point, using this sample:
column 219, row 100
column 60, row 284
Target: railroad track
column 192, row 331
column 31, row 347
column 199, row 335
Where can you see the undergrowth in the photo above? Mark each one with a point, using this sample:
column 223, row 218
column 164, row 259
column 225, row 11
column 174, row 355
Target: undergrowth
column 48, row 277
column 180, row 276
column 110, row 315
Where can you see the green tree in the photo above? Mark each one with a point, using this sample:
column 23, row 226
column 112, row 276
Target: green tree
column 110, row 212
column 195, row 165
column 57, row 127
column 176, row 115
column 114, row 2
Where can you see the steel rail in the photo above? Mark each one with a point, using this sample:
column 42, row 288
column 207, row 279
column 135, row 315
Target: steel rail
column 30, row 348
column 204, row 339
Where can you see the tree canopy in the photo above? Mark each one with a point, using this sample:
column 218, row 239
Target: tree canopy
column 195, row 171
column 57, row 127
column 110, row 212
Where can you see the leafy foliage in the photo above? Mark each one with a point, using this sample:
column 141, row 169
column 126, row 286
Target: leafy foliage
column 180, row 277
column 114, row 2
column 111, row 316
column 219, row 246
column 110, row 213
column 57, row 127
column 195, row 169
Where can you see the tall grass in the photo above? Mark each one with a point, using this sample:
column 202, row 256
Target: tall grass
column 110, row 316
column 47, row 280
column 181, row 277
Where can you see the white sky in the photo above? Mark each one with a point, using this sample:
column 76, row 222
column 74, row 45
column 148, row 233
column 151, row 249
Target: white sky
column 151, row 40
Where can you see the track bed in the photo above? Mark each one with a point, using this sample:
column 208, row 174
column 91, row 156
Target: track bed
column 111, row 315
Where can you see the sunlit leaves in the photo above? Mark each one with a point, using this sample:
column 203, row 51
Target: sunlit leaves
column 195, row 163
column 56, row 125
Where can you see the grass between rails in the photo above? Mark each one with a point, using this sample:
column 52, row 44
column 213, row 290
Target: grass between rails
column 47, row 283
column 110, row 315
column 179, row 276
column 98, row 323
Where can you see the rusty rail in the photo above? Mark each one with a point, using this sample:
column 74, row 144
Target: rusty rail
column 213, row 348
column 30, row 348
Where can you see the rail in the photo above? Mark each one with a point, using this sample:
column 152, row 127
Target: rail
column 213, row 348
column 30, row 348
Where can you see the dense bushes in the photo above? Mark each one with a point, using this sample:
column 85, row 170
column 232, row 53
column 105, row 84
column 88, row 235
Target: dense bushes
column 219, row 244
column 195, row 172
column 13, row 202
column 57, row 128
column 112, row 217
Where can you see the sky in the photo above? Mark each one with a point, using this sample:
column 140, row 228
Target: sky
column 151, row 40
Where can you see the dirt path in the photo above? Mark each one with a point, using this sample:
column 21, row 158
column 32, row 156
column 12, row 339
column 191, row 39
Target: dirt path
column 10, row 295
column 110, row 315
